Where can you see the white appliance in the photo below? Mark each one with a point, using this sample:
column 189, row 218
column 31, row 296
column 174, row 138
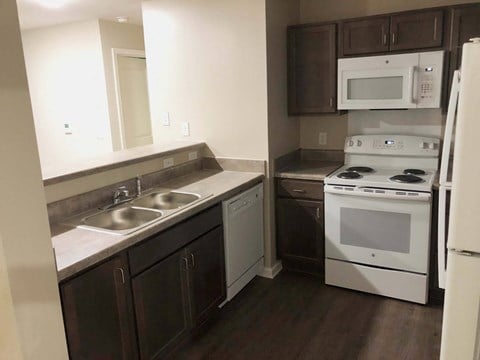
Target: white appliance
column 404, row 81
column 243, row 232
column 445, row 181
column 377, row 216
column 461, row 320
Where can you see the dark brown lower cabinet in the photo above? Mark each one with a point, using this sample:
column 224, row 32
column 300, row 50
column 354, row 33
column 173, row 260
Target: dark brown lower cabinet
column 143, row 302
column 161, row 306
column 179, row 293
column 206, row 275
column 97, row 313
column 300, row 234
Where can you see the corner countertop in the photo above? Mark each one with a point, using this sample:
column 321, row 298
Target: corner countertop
column 308, row 169
column 77, row 249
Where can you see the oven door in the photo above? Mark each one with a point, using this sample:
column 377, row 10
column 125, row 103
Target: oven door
column 382, row 230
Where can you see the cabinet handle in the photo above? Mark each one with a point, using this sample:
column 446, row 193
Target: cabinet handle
column 299, row 191
column 435, row 29
column 393, row 38
column 318, row 213
column 384, row 39
column 193, row 259
column 185, row 261
column 122, row 273
column 331, row 101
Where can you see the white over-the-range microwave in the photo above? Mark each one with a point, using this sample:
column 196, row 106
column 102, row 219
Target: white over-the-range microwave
column 404, row 81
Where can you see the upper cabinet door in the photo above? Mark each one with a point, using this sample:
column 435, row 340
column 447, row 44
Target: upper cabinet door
column 365, row 36
column 417, row 30
column 465, row 25
column 312, row 75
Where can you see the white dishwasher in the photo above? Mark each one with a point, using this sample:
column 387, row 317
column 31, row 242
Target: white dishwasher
column 243, row 230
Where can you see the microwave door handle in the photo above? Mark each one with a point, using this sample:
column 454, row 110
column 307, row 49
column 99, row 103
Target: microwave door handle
column 449, row 126
column 411, row 88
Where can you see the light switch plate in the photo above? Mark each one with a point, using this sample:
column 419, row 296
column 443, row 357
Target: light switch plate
column 192, row 155
column 167, row 162
column 166, row 118
column 186, row 128
column 322, row 138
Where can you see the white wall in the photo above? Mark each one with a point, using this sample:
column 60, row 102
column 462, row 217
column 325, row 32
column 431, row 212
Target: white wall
column 337, row 127
column 67, row 85
column 120, row 36
column 30, row 311
column 206, row 64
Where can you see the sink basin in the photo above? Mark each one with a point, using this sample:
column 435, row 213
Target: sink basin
column 165, row 200
column 123, row 218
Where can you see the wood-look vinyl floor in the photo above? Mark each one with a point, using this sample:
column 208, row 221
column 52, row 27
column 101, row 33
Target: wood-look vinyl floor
column 295, row 316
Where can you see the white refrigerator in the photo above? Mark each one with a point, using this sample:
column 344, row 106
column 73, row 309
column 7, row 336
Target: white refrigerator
column 461, row 320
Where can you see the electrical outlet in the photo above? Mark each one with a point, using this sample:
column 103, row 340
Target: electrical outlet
column 192, row 155
column 67, row 129
column 166, row 118
column 167, row 162
column 186, row 128
column 322, row 138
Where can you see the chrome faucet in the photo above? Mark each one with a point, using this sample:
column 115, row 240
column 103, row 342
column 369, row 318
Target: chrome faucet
column 120, row 195
column 139, row 185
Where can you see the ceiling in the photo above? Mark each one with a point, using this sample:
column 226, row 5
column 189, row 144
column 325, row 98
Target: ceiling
column 39, row 13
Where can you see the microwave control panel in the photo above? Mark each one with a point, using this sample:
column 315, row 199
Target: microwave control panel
column 429, row 79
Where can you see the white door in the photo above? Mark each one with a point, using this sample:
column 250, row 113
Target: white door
column 461, row 319
column 135, row 113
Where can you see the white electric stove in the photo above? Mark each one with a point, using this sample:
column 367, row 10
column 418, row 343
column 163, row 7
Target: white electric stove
column 377, row 216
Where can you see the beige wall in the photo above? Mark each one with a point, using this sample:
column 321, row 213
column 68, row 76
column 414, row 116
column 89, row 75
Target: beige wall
column 283, row 131
column 67, row 85
column 206, row 65
column 338, row 127
column 30, row 311
column 119, row 36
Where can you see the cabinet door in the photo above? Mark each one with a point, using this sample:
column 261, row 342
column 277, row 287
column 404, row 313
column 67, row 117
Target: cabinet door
column 96, row 310
column 160, row 302
column 300, row 234
column 312, row 74
column 465, row 25
column 207, row 287
column 366, row 36
column 418, row 30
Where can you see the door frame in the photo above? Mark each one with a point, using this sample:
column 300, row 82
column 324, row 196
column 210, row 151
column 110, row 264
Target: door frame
column 116, row 52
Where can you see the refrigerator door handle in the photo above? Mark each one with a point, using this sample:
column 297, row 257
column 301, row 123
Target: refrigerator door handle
column 449, row 126
column 442, row 236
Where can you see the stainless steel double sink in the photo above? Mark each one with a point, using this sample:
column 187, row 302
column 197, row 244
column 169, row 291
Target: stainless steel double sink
column 138, row 212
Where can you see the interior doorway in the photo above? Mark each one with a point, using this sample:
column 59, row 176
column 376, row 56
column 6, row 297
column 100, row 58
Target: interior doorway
column 132, row 98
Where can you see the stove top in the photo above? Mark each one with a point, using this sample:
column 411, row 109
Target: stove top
column 388, row 178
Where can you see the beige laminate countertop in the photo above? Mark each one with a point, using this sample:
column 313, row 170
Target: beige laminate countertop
column 77, row 249
column 308, row 169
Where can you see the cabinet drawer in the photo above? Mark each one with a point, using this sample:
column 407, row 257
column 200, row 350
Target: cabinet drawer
column 167, row 242
column 300, row 189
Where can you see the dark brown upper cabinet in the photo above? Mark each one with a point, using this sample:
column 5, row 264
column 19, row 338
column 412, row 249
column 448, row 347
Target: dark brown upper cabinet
column 413, row 30
column 416, row 30
column 312, row 64
column 97, row 313
column 465, row 22
column 366, row 36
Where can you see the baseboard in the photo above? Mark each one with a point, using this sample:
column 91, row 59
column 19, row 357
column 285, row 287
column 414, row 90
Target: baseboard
column 271, row 272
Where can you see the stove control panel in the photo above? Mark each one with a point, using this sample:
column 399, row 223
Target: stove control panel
column 400, row 145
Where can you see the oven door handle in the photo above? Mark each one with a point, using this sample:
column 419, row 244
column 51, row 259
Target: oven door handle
column 378, row 193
